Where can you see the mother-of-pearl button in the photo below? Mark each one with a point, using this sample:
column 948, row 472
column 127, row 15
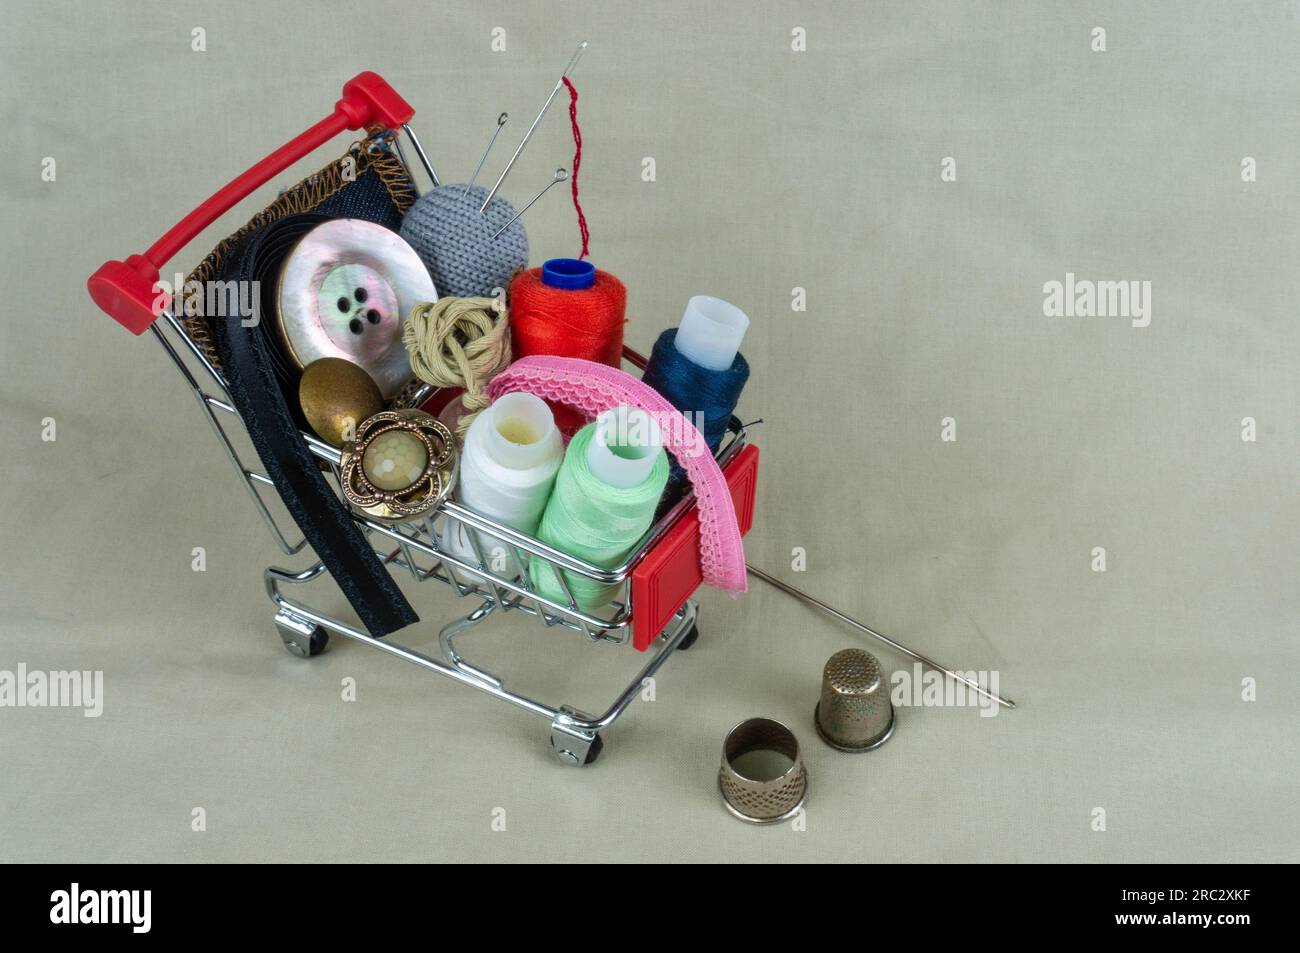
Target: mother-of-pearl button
column 394, row 460
column 344, row 290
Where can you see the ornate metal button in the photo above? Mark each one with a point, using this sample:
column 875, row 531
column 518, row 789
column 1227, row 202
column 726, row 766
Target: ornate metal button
column 401, row 466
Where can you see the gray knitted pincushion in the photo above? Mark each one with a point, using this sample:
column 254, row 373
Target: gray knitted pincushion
column 455, row 242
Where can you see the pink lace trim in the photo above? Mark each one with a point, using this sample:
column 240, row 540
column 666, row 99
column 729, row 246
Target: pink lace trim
column 592, row 388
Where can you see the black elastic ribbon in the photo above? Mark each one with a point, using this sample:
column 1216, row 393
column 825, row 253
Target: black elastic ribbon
column 250, row 360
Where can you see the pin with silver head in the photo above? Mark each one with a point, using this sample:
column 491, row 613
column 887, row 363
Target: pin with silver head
column 529, row 134
column 560, row 176
column 501, row 121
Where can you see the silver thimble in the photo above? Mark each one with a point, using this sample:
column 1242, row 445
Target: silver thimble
column 854, row 713
column 762, row 779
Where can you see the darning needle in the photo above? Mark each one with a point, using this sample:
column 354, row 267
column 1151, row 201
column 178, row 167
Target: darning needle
column 529, row 134
column 501, row 121
column 898, row 646
column 560, row 176
column 424, row 159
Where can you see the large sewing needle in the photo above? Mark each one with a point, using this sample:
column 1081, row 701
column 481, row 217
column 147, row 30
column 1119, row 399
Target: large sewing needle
column 898, row 646
column 501, row 121
column 560, row 176
column 529, row 134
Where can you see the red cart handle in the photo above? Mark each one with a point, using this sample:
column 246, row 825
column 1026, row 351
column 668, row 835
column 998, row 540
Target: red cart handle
column 125, row 290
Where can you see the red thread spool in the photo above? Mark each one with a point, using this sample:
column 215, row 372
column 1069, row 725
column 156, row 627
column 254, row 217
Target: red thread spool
column 568, row 308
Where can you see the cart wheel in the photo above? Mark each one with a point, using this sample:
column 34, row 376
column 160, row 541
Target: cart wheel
column 691, row 636
column 593, row 752
column 301, row 638
column 316, row 644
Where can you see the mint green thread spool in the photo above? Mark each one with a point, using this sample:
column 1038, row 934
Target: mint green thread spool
column 593, row 520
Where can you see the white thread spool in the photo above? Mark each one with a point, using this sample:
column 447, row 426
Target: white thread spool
column 625, row 446
column 710, row 332
column 507, row 468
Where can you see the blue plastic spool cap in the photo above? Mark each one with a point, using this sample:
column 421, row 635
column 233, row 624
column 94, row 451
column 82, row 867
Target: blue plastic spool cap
column 571, row 274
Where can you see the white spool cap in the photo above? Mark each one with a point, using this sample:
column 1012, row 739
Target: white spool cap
column 711, row 332
column 521, row 431
column 625, row 446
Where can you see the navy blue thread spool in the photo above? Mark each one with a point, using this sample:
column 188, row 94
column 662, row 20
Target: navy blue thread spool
column 707, row 395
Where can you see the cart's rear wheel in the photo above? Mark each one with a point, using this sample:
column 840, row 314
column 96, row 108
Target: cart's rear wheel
column 691, row 636
column 569, row 757
column 300, row 637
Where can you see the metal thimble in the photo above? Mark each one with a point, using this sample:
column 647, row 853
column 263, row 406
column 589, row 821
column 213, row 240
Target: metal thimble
column 762, row 779
column 854, row 713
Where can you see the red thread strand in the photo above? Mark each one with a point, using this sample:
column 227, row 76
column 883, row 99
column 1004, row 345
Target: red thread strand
column 577, row 162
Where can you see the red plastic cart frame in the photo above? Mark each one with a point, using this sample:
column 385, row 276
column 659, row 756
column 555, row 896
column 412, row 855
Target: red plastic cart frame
column 128, row 290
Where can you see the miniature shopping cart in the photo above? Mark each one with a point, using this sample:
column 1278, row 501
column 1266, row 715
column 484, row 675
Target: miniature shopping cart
column 651, row 609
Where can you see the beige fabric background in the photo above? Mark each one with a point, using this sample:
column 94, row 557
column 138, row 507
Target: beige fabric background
column 775, row 170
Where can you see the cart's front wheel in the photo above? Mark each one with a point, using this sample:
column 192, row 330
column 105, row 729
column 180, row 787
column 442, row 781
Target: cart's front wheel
column 300, row 637
column 575, row 736
column 689, row 640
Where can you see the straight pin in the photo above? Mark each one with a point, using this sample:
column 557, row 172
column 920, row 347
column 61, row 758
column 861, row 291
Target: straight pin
column 898, row 646
column 529, row 134
column 501, row 121
column 560, row 176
